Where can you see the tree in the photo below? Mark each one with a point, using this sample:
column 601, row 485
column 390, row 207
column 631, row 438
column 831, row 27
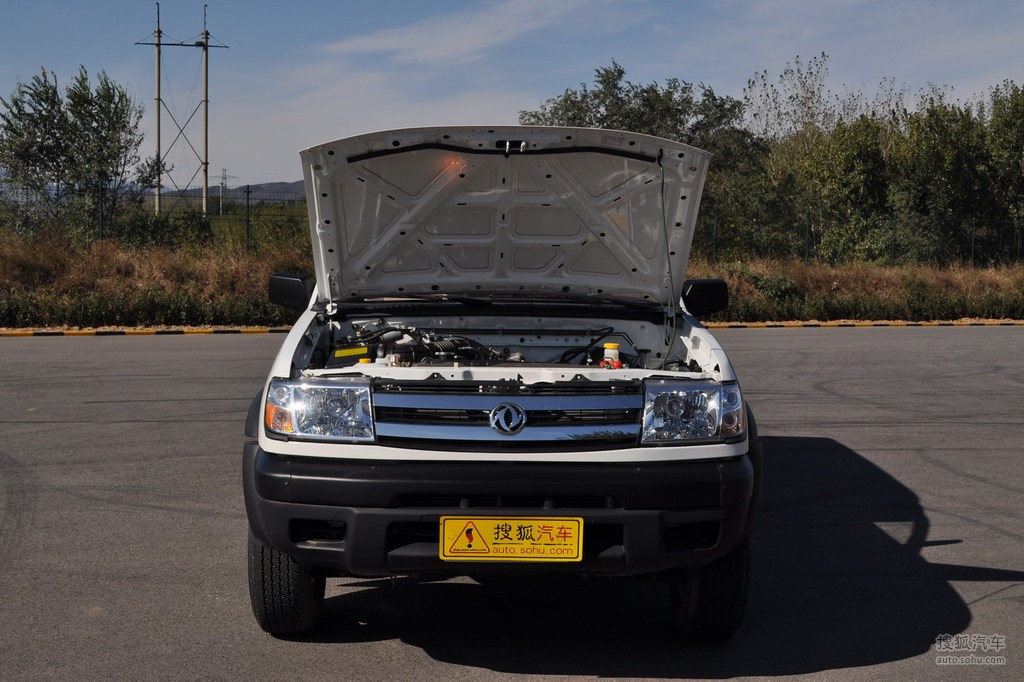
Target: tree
column 942, row 191
column 1005, row 114
column 677, row 111
column 104, row 123
column 800, row 171
column 794, row 116
column 854, row 179
column 79, row 150
column 34, row 142
column 618, row 104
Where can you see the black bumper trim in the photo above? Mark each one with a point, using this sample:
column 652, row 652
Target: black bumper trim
column 659, row 516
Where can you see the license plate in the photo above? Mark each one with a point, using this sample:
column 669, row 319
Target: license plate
column 511, row 538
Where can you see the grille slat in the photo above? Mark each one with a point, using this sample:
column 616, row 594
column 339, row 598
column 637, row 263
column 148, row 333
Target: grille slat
column 420, row 415
column 566, row 417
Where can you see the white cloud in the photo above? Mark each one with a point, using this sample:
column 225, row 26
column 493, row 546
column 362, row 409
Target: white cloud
column 484, row 63
column 441, row 71
column 943, row 42
column 462, row 36
column 268, row 137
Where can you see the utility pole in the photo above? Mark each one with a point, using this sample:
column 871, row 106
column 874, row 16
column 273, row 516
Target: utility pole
column 160, row 173
column 248, row 220
column 224, row 187
column 206, row 110
column 204, row 157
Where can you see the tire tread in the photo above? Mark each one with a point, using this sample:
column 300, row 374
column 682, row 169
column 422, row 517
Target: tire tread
column 709, row 601
column 286, row 597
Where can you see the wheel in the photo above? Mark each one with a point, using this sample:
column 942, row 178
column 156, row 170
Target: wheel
column 286, row 597
column 708, row 601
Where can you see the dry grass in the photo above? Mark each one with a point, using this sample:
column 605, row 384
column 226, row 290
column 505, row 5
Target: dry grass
column 860, row 278
column 46, row 282
column 48, row 266
column 763, row 290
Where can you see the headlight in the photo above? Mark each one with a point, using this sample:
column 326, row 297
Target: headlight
column 677, row 411
column 320, row 409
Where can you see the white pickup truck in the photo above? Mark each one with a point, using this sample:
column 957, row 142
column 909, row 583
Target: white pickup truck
column 499, row 369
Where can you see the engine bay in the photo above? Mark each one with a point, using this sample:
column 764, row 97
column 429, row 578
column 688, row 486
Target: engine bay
column 403, row 345
column 486, row 341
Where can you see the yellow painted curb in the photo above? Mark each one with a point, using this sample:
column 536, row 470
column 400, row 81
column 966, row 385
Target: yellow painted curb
column 863, row 324
column 710, row 325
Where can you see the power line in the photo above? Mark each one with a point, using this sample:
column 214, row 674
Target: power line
column 204, row 157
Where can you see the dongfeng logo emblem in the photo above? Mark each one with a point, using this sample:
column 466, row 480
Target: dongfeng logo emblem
column 508, row 419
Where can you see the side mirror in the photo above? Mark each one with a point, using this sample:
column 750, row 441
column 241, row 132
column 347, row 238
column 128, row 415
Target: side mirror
column 705, row 296
column 291, row 291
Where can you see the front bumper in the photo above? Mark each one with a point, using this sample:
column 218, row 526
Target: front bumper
column 374, row 518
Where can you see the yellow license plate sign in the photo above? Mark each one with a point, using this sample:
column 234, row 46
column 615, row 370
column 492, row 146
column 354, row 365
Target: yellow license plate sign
column 511, row 538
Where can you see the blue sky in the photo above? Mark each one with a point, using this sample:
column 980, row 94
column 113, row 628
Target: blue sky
column 301, row 73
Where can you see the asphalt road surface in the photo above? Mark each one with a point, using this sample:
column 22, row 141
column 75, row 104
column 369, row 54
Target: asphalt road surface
column 892, row 515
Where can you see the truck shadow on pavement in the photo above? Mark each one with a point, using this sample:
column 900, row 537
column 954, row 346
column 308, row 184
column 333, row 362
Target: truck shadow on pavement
column 838, row 581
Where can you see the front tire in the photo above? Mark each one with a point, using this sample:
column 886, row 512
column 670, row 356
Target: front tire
column 286, row 597
column 708, row 601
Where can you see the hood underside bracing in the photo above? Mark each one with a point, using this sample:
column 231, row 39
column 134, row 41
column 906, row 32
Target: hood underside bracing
column 503, row 211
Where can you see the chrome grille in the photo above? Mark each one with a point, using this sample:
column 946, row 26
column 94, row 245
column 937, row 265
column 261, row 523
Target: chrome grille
column 446, row 419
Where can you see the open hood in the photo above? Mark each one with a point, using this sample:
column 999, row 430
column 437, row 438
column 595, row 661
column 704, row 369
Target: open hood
column 503, row 211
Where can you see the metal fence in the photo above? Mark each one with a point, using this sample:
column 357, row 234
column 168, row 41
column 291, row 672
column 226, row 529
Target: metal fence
column 252, row 216
column 247, row 215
